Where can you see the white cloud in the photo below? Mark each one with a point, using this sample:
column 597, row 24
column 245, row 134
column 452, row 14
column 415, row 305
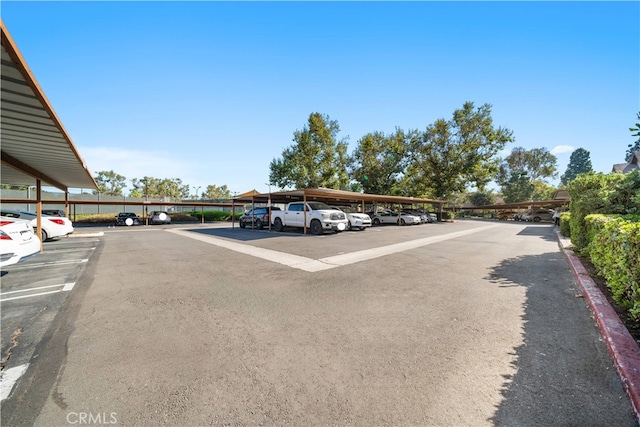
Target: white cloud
column 561, row 149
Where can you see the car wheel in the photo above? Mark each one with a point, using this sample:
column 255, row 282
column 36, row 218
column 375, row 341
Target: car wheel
column 45, row 236
column 259, row 224
column 242, row 224
column 316, row 227
column 349, row 226
column 277, row 224
column 376, row 221
column 363, row 228
column 536, row 219
column 401, row 222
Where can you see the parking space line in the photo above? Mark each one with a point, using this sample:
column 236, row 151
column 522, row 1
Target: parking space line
column 64, row 287
column 27, row 266
column 290, row 260
column 8, row 379
column 313, row 265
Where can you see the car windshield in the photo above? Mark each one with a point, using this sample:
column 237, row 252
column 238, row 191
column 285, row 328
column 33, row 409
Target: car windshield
column 319, row 206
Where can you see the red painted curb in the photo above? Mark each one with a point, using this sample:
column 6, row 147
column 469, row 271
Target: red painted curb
column 622, row 347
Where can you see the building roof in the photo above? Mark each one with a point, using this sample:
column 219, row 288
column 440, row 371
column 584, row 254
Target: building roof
column 35, row 144
column 632, row 165
column 330, row 196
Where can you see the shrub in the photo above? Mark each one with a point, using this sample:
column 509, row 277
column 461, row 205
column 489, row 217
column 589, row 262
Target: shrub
column 614, row 249
column 614, row 193
column 448, row 215
column 565, row 225
column 215, row 215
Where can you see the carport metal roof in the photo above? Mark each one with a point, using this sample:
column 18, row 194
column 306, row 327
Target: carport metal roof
column 35, row 144
column 329, row 196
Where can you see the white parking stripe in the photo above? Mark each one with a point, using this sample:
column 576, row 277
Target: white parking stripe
column 367, row 254
column 64, row 287
column 312, row 265
column 8, row 379
column 28, row 266
column 290, row 260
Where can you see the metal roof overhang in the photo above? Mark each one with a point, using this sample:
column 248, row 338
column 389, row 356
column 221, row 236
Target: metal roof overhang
column 330, row 196
column 34, row 144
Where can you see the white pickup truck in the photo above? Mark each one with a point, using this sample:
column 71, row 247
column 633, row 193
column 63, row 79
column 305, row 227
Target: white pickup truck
column 318, row 216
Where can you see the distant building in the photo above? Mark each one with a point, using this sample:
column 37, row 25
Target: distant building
column 632, row 165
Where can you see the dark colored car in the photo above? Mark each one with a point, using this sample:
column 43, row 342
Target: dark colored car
column 159, row 217
column 127, row 218
column 258, row 217
column 53, row 212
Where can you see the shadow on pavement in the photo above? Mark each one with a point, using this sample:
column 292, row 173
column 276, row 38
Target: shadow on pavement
column 245, row 234
column 543, row 231
column 564, row 375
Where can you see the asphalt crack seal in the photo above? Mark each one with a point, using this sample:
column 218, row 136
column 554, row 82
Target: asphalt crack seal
column 14, row 344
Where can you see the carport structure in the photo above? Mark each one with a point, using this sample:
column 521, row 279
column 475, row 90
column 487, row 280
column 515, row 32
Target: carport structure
column 36, row 149
column 331, row 197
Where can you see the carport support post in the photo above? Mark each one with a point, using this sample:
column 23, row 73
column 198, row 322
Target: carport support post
column 202, row 212
column 253, row 212
column 233, row 213
column 66, row 204
column 39, row 211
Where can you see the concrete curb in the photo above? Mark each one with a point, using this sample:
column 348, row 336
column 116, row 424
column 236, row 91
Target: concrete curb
column 624, row 350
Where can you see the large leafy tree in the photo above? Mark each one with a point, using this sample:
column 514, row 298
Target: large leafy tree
column 155, row 187
column 579, row 162
column 317, row 159
column 522, row 169
column 632, row 148
column 480, row 198
column 109, row 183
column 214, row 192
column 451, row 155
column 378, row 162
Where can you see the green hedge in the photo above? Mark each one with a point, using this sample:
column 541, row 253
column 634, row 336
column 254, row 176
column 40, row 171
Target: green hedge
column 592, row 193
column 565, row 224
column 210, row 216
column 614, row 249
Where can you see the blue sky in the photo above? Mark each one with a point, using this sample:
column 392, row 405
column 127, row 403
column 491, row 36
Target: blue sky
column 211, row 92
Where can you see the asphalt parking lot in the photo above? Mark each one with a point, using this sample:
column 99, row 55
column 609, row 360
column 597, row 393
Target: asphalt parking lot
column 465, row 323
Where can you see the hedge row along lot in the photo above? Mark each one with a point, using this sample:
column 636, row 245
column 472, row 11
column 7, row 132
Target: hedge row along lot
column 604, row 225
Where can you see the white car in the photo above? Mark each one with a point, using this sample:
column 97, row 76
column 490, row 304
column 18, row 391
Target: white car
column 357, row 220
column 17, row 241
column 388, row 216
column 52, row 226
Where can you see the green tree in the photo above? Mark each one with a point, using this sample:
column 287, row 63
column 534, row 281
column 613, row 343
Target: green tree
column 632, row 148
column 451, row 155
column 521, row 169
column 542, row 191
column 214, row 192
column 158, row 188
column 378, row 162
column 517, row 188
column 482, row 198
column 579, row 162
column 317, row 159
column 109, row 183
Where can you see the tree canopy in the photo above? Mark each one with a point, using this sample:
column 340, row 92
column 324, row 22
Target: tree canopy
column 579, row 162
column 317, row 159
column 378, row 162
column 522, row 170
column 110, row 183
column 213, row 192
column 155, row 187
column 451, row 155
column 632, row 148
